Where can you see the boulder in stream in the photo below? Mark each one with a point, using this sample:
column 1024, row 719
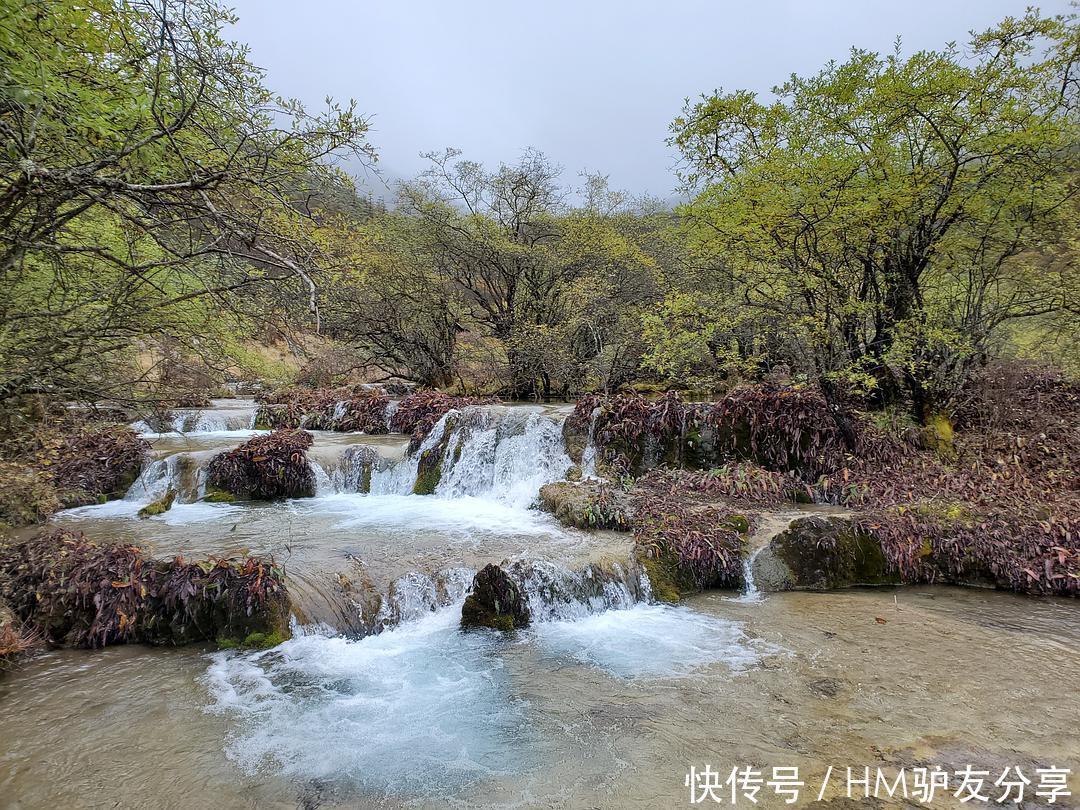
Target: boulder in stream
column 818, row 553
column 495, row 601
column 264, row 468
column 160, row 506
column 588, row 504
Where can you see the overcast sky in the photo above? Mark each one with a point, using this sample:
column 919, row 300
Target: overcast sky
column 591, row 83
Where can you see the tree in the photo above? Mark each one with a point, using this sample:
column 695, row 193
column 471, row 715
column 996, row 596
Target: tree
column 385, row 301
column 559, row 290
column 887, row 213
column 148, row 183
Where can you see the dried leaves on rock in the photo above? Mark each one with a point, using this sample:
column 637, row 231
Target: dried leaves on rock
column 266, row 467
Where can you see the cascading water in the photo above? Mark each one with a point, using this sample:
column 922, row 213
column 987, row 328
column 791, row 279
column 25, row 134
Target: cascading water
column 380, row 690
column 225, row 416
column 588, row 455
column 505, row 456
column 494, row 453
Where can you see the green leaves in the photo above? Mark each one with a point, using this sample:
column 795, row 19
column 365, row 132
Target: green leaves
column 890, row 195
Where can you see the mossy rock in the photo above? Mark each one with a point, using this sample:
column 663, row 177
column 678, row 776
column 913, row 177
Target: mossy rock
column 160, row 506
column 816, row 553
column 588, row 504
column 666, row 579
column 253, row 641
column 428, row 471
column 124, row 482
column 575, row 438
column 495, row 601
column 737, row 523
column 364, row 459
column 937, row 435
column 215, row 495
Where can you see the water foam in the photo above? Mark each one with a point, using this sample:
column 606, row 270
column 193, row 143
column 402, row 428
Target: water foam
column 649, row 641
column 420, row 709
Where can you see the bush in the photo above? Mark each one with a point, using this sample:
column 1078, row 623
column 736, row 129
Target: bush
column 92, row 463
column 81, row 593
column 419, row 412
column 685, row 540
column 348, row 409
column 265, row 467
column 781, row 428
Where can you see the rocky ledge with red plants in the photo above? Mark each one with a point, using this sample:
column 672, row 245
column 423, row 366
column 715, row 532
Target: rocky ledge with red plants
column 364, row 408
column 68, row 461
column 271, row 466
column 991, row 499
column 64, row 589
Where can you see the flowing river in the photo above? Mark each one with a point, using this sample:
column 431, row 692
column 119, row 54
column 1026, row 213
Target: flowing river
column 606, row 700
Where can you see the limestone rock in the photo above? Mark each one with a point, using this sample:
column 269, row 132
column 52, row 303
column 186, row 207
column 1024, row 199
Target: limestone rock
column 817, row 553
column 495, row 601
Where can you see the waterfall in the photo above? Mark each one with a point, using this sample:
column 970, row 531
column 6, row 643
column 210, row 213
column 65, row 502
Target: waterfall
column 750, row 590
column 413, row 596
column 504, row 455
column 399, row 478
column 224, row 416
column 181, row 472
column 588, row 455
column 490, row 452
column 556, row 593
column 391, row 409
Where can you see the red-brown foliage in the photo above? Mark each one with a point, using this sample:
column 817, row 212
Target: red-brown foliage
column 89, row 595
column 417, row 413
column 266, row 467
column 347, row 409
column 782, row 428
column 100, row 462
column 687, row 528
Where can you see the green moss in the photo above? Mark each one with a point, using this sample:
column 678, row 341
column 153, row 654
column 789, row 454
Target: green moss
column 832, row 553
column 476, row 614
column 123, row 484
column 158, row 507
column 661, row 581
column 938, row 436
column 263, row 641
column 799, row 496
column 665, row 579
column 944, row 511
column 215, row 495
column 252, row 641
column 737, row 523
column 428, row 472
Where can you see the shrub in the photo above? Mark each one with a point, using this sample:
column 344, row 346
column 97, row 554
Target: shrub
column 266, row 467
column 88, row 595
column 418, row 413
column 782, row 428
column 91, row 463
column 685, row 539
column 348, row 409
column 1003, row 549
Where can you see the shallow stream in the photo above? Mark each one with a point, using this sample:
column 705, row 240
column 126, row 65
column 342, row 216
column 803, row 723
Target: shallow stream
column 607, row 700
